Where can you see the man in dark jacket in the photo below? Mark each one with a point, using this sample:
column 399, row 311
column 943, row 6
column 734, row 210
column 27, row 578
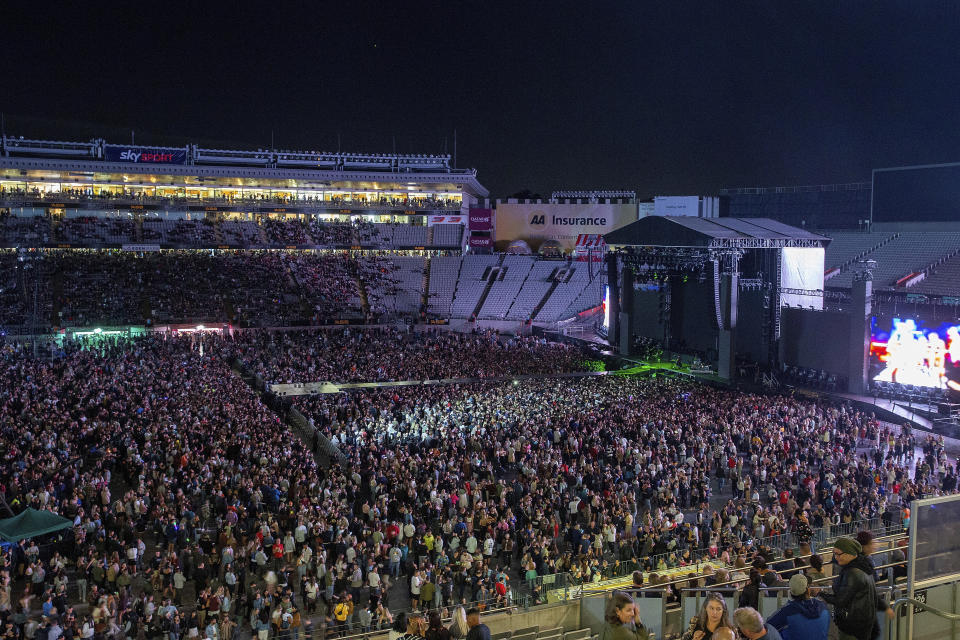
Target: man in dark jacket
column 854, row 595
column 803, row 618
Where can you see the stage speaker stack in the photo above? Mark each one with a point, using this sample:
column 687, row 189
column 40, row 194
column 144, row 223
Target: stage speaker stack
column 859, row 345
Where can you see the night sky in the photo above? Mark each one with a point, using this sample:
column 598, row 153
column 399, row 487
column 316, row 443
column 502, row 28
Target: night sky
column 662, row 98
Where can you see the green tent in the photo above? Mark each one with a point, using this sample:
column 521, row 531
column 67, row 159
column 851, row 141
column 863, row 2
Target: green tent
column 32, row 523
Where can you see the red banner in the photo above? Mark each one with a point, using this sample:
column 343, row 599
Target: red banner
column 445, row 220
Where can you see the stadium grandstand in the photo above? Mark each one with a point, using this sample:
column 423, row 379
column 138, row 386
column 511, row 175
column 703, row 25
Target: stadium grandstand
column 910, row 234
column 97, row 234
column 56, row 193
column 276, row 395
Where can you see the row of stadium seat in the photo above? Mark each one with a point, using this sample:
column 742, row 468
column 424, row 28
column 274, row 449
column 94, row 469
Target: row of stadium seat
column 896, row 255
column 83, row 288
column 908, row 392
column 95, row 232
column 813, row 378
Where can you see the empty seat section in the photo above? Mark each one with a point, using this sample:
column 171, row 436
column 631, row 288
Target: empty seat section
column 533, row 290
column 909, row 252
column 513, row 272
column 470, row 286
column 447, row 235
column 566, row 293
column 443, row 284
column 943, row 279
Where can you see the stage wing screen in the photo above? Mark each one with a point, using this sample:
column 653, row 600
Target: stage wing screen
column 802, row 270
column 606, row 307
column 909, row 353
column 929, row 194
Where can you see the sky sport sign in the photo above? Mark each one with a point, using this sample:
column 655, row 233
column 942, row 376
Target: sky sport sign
column 144, row 155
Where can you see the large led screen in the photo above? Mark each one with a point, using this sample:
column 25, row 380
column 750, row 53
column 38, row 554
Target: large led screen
column 908, row 352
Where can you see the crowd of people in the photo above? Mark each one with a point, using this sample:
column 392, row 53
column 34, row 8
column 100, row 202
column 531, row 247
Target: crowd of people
column 205, row 233
column 844, row 608
column 196, row 510
column 247, row 288
column 149, row 443
column 584, row 476
column 152, row 194
column 358, row 355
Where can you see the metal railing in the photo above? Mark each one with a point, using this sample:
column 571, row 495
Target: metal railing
column 849, row 186
column 623, row 569
column 328, row 451
column 893, row 629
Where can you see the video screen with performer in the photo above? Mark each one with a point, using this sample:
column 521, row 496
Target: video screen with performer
column 909, row 352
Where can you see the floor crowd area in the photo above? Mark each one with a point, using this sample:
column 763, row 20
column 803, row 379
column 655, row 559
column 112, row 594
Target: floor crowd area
column 198, row 513
column 374, row 355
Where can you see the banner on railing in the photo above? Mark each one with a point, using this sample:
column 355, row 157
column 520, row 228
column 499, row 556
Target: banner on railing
column 434, row 220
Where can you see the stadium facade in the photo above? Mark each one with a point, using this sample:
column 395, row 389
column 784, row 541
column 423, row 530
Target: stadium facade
column 98, row 179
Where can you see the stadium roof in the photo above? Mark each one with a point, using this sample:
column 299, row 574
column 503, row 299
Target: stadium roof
column 712, row 233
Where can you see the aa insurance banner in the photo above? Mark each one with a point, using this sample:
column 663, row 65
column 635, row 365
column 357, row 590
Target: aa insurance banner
column 535, row 223
column 481, row 219
column 144, row 155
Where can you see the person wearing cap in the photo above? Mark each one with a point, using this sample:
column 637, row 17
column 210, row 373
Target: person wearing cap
column 854, row 595
column 803, row 618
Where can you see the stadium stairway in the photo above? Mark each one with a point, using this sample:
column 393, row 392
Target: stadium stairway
column 56, row 290
column 491, row 275
column 362, row 289
column 555, row 282
column 144, row 305
column 425, row 298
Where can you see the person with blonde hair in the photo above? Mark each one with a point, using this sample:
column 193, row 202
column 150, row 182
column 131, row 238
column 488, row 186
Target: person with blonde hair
column 622, row 620
column 458, row 623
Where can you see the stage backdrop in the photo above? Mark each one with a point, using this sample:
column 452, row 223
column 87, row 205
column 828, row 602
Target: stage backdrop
column 802, row 269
